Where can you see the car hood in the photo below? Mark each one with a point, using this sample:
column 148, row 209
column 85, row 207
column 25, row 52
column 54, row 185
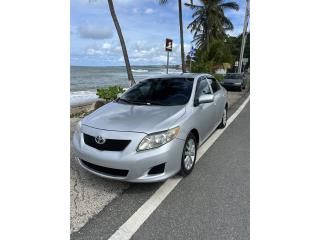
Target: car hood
column 134, row 118
column 228, row 80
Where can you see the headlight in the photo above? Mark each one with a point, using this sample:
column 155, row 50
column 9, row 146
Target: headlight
column 158, row 139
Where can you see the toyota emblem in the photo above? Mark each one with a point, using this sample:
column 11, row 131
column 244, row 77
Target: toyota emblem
column 100, row 140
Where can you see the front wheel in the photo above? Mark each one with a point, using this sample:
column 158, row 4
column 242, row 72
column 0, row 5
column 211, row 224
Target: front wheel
column 224, row 119
column 189, row 155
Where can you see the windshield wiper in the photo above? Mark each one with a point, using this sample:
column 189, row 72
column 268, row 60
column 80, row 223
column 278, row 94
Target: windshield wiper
column 132, row 102
column 157, row 103
column 123, row 100
column 141, row 103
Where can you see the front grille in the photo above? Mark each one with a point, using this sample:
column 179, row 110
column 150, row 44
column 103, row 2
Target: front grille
column 109, row 145
column 105, row 170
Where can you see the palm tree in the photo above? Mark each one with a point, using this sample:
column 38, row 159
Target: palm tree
column 210, row 22
column 181, row 33
column 123, row 45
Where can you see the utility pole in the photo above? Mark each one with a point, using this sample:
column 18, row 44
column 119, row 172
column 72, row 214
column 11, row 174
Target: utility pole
column 167, row 62
column 244, row 36
column 183, row 63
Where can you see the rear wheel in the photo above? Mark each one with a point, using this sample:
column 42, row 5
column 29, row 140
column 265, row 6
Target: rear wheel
column 224, row 118
column 189, row 155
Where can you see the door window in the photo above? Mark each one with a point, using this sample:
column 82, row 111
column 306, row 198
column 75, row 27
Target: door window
column 214, row 84
column 203, row 88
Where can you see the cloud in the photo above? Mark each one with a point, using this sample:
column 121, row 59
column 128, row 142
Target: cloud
column 91, row 31
column 149, row 11
column 144, row 52
column 93, row 51
column 136, row 10
column 108, row 49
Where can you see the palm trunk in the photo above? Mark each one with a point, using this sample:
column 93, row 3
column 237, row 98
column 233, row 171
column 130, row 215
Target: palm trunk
column 123, row 44
column 181, row 38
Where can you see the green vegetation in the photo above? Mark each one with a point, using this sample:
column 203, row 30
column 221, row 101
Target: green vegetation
column 234, row 43
column 110, row 93
column 209, row 22
column 212, row 57
column 219, row 54
column 215, row 49
column 219, row 77
column 81, row 114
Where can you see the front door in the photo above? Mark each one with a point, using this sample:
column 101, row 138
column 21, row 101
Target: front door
column 204, row 111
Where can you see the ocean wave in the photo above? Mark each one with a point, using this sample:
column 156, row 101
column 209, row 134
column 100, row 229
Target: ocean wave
column 140, row 70
column 80, row 98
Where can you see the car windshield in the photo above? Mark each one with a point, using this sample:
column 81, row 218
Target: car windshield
column 160, row 91
column 233, row 76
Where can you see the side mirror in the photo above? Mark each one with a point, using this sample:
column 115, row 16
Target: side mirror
column 206, row 98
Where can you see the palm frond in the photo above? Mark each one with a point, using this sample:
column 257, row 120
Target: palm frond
column 162, row 2
column 230, row 5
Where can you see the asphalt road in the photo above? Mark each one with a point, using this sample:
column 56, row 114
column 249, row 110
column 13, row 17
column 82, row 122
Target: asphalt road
column 211, row 203
column 214, row 201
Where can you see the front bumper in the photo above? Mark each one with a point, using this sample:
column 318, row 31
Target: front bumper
column 138, row 164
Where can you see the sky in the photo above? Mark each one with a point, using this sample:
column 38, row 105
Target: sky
column 145, row 25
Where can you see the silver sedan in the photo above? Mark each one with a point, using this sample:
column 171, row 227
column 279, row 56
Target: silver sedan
column 153, row 130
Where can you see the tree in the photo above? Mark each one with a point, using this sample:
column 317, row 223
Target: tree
column 181, row 32
column 235, row 47
column 210, row 22
column 213, row 56
column 122, row 42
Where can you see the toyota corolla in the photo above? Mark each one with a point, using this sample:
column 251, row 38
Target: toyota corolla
column 153, row 130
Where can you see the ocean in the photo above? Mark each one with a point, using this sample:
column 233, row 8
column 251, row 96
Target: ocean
column 84, row 81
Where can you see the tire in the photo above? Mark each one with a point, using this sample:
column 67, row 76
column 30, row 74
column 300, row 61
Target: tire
column 188, row 161
column 224, row 119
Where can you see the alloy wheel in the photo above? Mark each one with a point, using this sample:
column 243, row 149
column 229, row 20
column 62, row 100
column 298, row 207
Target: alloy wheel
column 189, row 153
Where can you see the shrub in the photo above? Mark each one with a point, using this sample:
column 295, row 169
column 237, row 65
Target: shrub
column 219, row 77
column 110, row 93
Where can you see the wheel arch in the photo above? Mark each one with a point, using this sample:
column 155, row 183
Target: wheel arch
column 196, row 134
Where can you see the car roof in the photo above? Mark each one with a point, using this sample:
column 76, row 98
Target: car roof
column 179, row 75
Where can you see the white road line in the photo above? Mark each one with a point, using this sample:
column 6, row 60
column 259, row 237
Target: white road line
column 126, row 231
